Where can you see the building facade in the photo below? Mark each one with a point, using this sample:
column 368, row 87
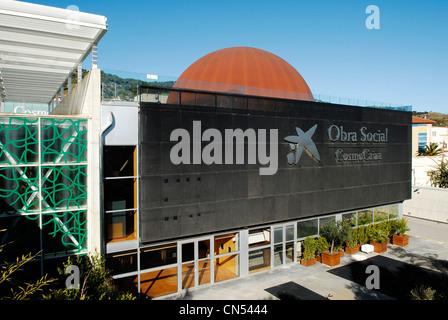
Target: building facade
column 175, row 226
column 219, row 177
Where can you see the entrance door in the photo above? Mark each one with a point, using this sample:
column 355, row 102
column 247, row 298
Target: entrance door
column 195, row 263
column 284, row 244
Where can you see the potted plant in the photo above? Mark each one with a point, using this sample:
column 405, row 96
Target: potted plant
column 331, row 231
column 400, row 237
column 362, row 235
column 378, row 238
column 351, row 244
column 309, row 252
column 321, row 246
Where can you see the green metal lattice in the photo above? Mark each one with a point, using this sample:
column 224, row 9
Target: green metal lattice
column 55, row 187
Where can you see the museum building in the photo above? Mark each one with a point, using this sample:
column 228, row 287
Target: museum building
column 218, row 177
column 229, row 170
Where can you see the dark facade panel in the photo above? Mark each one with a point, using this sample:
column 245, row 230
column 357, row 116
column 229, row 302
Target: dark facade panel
column 188, row 199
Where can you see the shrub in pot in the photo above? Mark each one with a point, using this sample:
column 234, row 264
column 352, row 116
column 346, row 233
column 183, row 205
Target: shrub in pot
column 351, row 244
column 332, row 231
column 378, row 238
column 321, row 246
column 400, row 237
column 362, row 235
column 309, row 251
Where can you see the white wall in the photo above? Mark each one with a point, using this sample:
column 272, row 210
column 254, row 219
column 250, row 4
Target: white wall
column 421, row 166
column 427, row 203
column 85, row 99
column 125, row 128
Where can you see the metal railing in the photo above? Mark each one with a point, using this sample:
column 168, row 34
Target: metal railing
column 126, row 86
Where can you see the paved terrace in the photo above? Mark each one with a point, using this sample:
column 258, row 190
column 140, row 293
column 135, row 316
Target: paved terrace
column 423, row 262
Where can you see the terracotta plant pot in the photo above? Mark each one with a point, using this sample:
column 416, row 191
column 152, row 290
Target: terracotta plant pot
column 379, row 247
column 307, row 262
column 400, row 240
column 331, row 259
column 352, row 250
column 341, row 253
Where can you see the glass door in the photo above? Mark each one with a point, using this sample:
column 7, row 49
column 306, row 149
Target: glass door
column 195, row 263
column 283, row 244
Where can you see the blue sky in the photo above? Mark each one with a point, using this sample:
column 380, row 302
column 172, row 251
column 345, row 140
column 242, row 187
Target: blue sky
column 404, row 62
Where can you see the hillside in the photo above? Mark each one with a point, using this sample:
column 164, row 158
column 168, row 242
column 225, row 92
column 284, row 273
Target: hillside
column 114, row 87
column 440, row 118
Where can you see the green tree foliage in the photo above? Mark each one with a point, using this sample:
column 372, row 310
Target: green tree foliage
column 126, row 89
column 433, row 149
column 309, row 248
column 11, row 288
column 425, row 293
column 336, row 233
column 96, row 282
column 439, row 176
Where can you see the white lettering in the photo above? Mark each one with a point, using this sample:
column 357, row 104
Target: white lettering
column 213, row 153
column 21, row 109
column 365, row 155
column 337, row 133
column 373, row 21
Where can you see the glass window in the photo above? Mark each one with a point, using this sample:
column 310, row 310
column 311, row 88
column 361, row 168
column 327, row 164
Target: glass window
column 204, row 271
column 278, row 235
column 381, row 213
column 20, row 235
column 187, row 275
column 365, row 217
column 157, row 256
column 226, row 267
column 64, row 232
column 203, row 249
column 119, row 161
column 158, row 283
column 278, row 254
column 289, row 233
column 187, row 251
column 259, row 237
column 289, row 257
column 120, row 194
column 19, row 137
column 64, row 140
column 259, row 260
column 325, row 220
column 122, row 262
column 128, row 284
column 19, row 190
column 64, row 187
column 393, row 211
column 307, row 228
column 121, row 225
column 226, row 243
column 350, row 217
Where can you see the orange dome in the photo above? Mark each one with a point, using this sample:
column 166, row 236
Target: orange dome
column 245, row 70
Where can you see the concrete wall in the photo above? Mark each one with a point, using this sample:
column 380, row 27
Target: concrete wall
column 85, row 99
column 420, row 168
column 427, row 203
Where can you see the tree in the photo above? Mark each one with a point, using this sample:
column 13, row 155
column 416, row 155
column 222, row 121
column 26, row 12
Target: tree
column 433, row 149
column 439, row 176
column 24, row 291
column 95, row 281
column 336, row 232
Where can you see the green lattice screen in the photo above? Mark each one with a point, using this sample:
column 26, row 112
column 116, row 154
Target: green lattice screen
column 43, row 174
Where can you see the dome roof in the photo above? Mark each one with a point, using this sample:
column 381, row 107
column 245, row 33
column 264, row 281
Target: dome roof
column 245, row 70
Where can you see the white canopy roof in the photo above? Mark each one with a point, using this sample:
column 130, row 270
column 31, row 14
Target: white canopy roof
column 41, row 46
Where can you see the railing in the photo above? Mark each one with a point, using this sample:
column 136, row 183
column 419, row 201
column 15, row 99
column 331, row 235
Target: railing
column 126, row 86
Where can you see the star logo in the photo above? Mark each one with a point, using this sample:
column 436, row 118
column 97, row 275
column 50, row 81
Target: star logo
column 300, row 142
